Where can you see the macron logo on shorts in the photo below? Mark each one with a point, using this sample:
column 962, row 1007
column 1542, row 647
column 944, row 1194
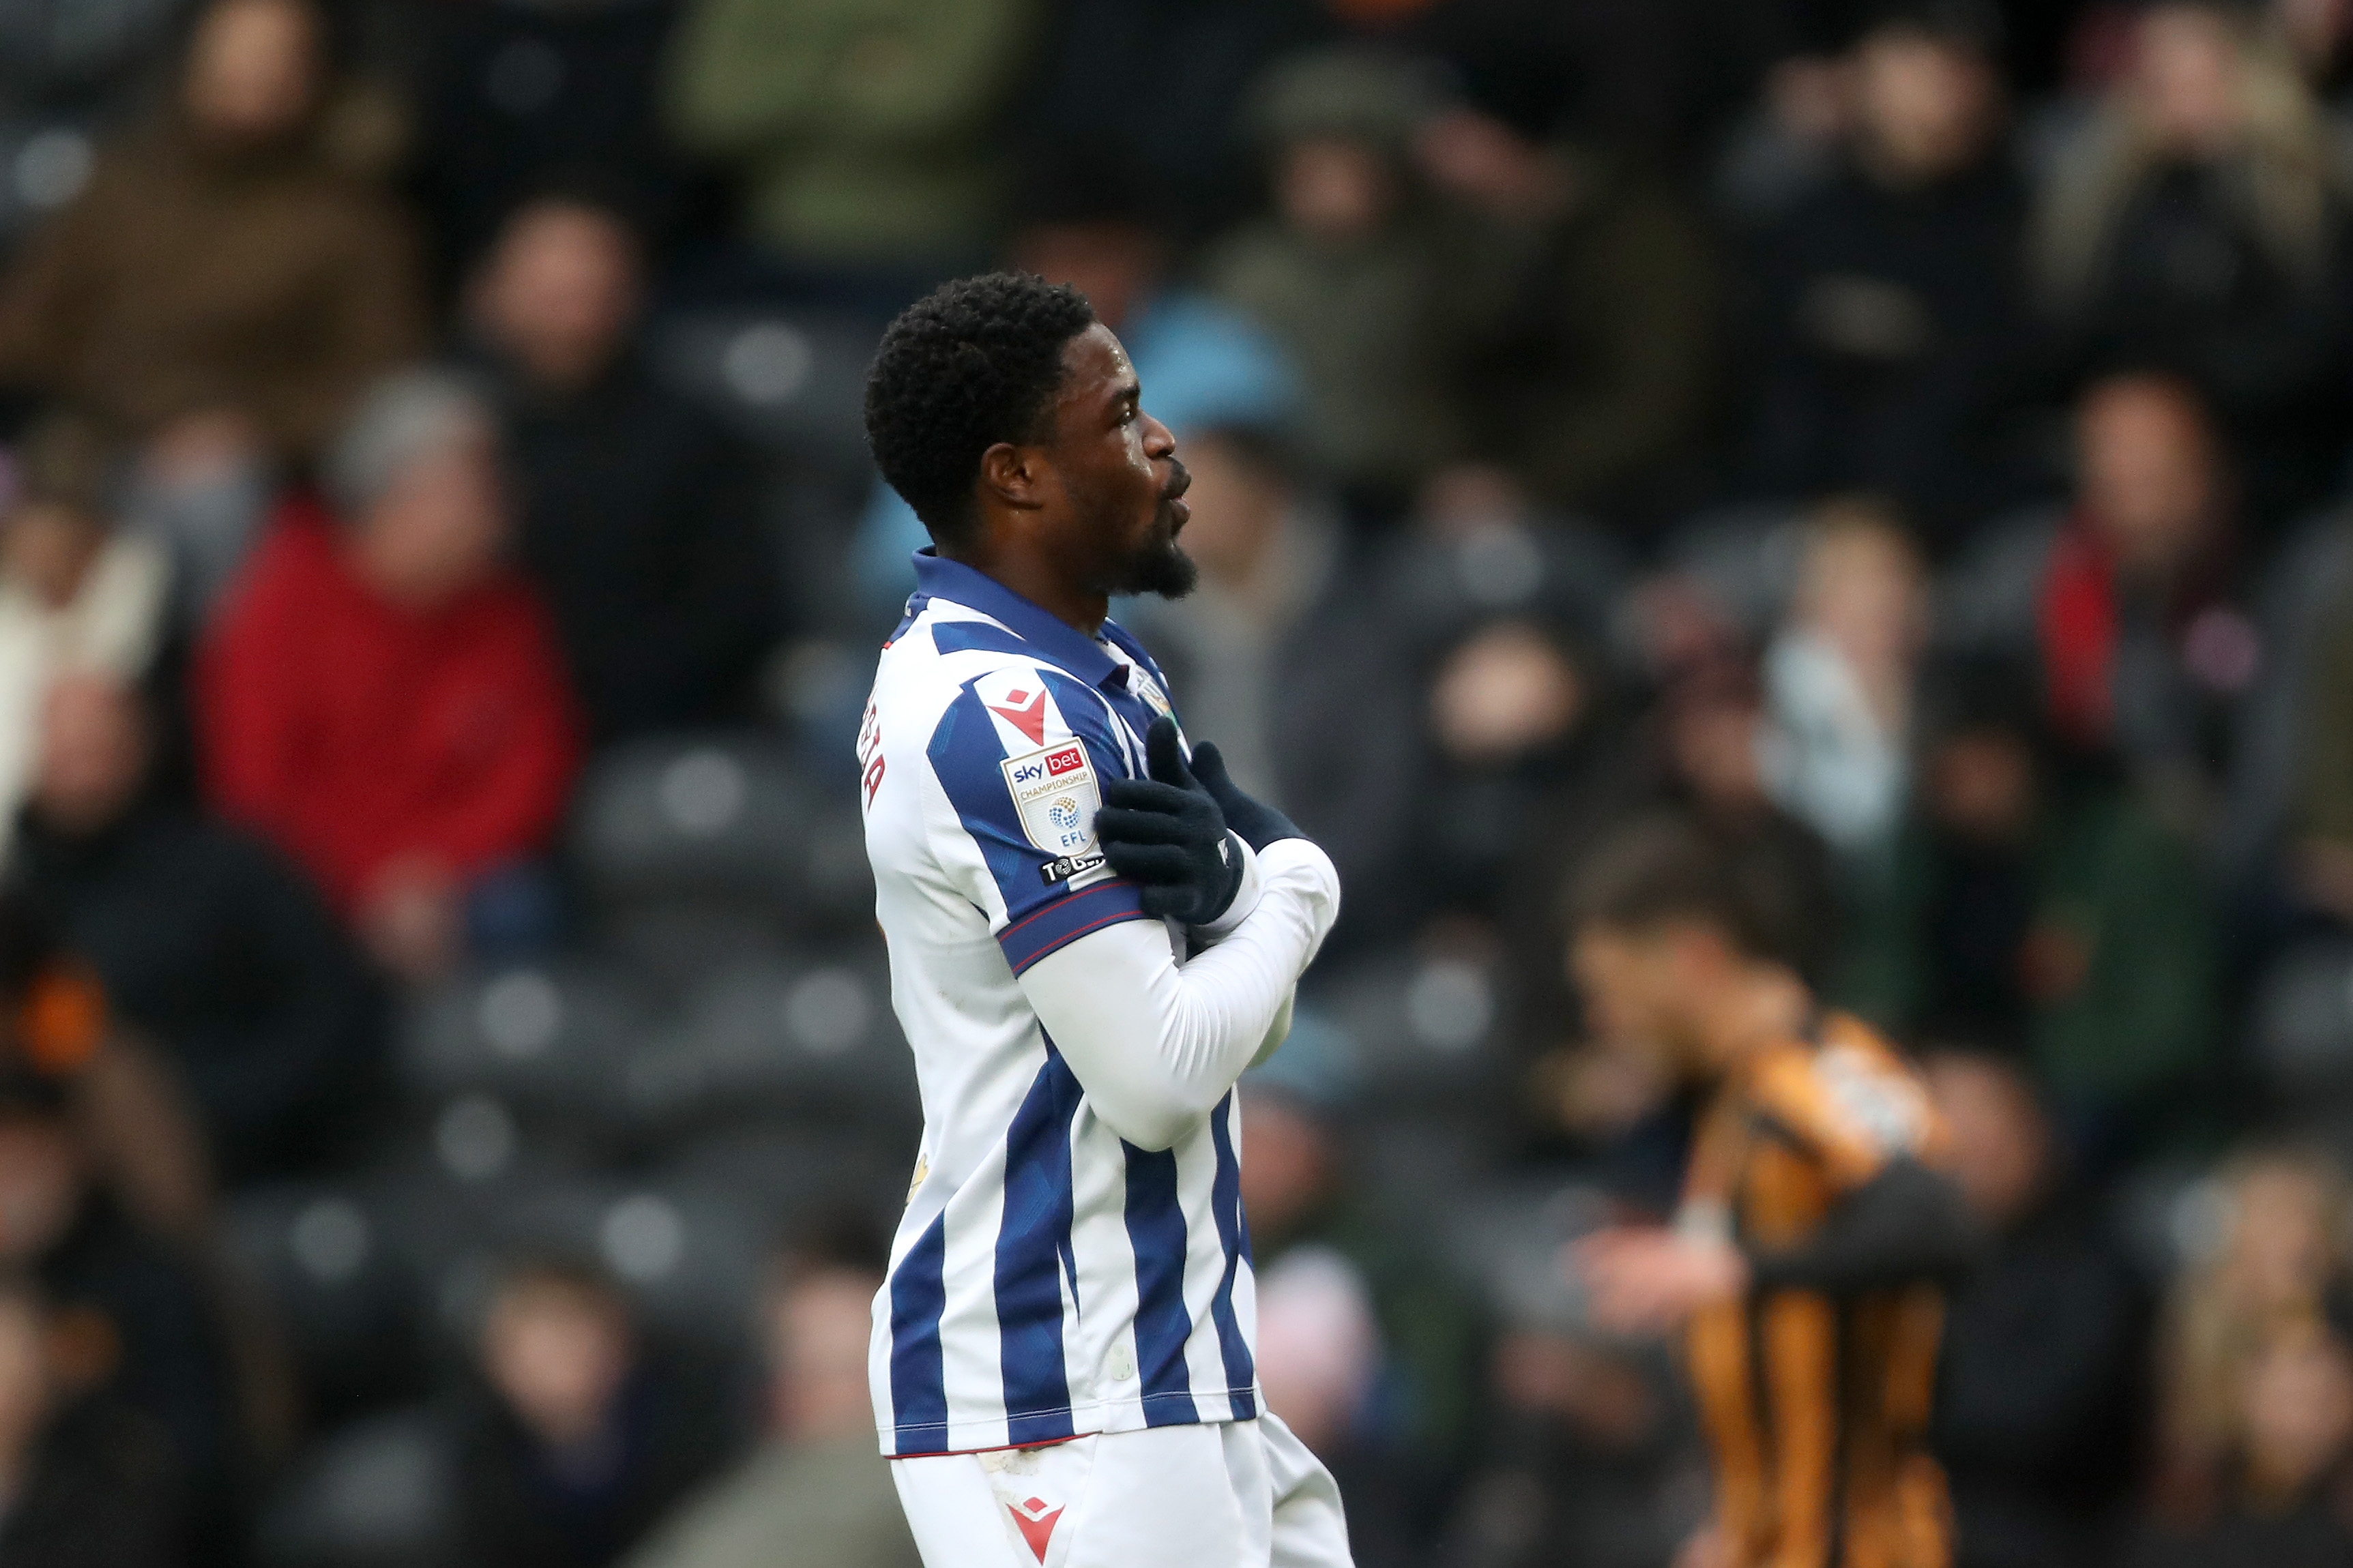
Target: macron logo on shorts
column 1036, row 1522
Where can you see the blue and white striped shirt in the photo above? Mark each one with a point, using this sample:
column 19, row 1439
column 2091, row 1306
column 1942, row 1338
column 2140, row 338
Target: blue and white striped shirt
column 1049, row 1279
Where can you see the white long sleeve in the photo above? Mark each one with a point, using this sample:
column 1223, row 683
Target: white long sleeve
column 1157, row 1044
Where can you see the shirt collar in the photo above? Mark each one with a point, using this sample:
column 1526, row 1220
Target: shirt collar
column 1056, row 640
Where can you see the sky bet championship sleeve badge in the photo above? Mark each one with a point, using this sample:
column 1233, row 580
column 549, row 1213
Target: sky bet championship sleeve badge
column 1054, row 790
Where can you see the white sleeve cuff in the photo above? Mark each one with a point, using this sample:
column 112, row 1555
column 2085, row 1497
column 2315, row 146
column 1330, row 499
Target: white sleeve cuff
column 1245, row 898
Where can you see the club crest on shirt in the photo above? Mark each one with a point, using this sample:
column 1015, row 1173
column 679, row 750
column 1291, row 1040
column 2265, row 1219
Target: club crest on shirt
column 1146, row 688
column 1055, row 793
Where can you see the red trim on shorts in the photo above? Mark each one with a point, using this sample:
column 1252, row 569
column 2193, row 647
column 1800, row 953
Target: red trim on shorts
column 1000, row 1448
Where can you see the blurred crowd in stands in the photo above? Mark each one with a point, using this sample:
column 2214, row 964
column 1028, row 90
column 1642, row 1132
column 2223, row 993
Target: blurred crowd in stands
column 448, row 1100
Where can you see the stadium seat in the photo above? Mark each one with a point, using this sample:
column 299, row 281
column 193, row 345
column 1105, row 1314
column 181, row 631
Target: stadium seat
column 791, row 382
column 1744, row 559
column 2303, row 1027
column 379, row 1494
column 720, row 817
column 794, row 1174
column 1511, row 1237
column 692, row 1254
column 2168, row 1214
column 551, row 1040
column 333, row 1271
column 672, row 943
column 1425, row 1028
column 813, row 1036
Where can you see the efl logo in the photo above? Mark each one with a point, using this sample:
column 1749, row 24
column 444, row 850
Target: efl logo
column 1067, row 760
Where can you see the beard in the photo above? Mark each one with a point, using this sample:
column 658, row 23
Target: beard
column 1160, row 566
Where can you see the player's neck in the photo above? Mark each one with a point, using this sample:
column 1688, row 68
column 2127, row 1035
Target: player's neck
column 1756, row 1007
column 1037, row 581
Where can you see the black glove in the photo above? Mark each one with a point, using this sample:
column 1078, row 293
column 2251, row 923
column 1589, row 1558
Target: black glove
column 1168, row 833
column 1260, row 826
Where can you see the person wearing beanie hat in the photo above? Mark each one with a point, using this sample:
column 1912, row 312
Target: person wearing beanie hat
column 1375, row 287
column 383, row 698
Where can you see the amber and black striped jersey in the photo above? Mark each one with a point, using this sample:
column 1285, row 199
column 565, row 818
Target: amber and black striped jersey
column 1816, row 1396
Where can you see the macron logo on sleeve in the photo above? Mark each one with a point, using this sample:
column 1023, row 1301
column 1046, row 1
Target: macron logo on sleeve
column 1026, row 713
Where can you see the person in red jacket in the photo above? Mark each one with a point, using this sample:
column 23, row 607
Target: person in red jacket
column 381, row 695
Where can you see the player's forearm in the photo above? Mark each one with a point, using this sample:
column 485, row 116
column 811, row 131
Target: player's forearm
column 1157, row 1044
column 1907, row 1223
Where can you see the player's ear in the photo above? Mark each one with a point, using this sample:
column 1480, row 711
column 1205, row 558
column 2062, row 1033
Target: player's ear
column 1014, row 474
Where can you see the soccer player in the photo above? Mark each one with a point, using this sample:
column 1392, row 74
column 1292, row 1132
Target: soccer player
column 1090, row 938
column 1805, row 1263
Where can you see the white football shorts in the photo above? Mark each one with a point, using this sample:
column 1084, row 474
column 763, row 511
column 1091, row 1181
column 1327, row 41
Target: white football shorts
column 1237, row 1494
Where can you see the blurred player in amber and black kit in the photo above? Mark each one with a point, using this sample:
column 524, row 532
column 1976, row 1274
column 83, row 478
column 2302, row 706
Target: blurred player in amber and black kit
column 1806, row 1264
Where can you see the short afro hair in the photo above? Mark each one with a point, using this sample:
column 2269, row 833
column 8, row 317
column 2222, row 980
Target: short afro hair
column 973, row 362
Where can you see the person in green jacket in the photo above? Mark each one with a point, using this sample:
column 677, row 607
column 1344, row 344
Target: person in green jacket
column 1376, row 286
column 862, row 128
column 2034, row 898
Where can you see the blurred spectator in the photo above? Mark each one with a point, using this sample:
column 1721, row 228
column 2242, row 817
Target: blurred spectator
column 222, row 290
column 2319, row 33
column 1520, row 740
column 1374, row 287
column 507, row 96
column 1367, row 1348
column 1839, row 681
column 206, row 943
column 129, row 1321
column 2271, row 1261
column 1702, row 749
column 2034, row 901
column 861, row 130
column 1787, row 147
column 2322, row 859
column 1513, row 716
column 77, row 595
column 1158, row 86
column 818, row 1489
column 2129, row 602
column 1891, row 311
column 636, row 518
column 143, row 1140
column 1289, row 665
column 582, row 1439
column 1596, row 373
column 1321, row 1352
column 385, row 702
column 2039, row 1409
column 1485, row 620
column 2199, row 223
column 87, row 1483
column 2291, row 1507
column 1654, row 78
